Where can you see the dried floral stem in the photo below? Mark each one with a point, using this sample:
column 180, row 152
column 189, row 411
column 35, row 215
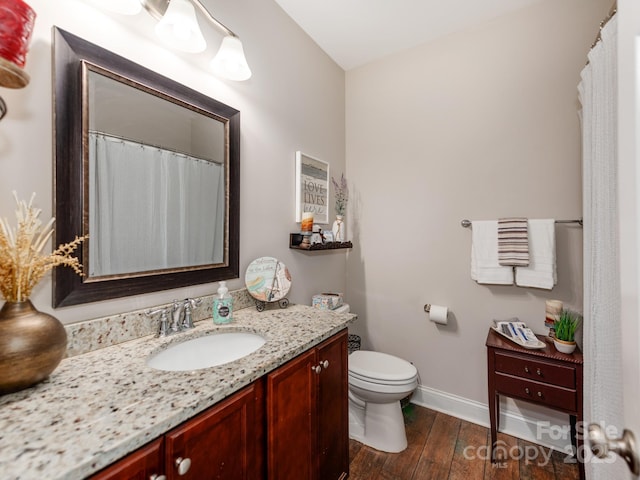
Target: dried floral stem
column 22, row 263
column 342, row 194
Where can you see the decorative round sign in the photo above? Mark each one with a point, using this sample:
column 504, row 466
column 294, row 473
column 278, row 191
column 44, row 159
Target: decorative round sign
column 268, row 280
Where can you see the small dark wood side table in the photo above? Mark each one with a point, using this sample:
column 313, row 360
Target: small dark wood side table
column 541, row 376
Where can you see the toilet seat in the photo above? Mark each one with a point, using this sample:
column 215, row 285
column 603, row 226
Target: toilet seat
column 381, row 368
column 407, row 386
column 376, row 381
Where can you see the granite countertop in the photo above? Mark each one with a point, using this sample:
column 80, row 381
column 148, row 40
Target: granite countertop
column 97, row 407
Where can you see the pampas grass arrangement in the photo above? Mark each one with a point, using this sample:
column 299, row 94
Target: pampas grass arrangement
column 22, row 263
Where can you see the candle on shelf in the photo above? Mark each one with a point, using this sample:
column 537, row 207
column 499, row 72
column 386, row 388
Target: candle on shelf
column 306, row 226
column 553, row 309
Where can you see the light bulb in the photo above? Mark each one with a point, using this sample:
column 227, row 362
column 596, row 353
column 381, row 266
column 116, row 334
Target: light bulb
column 230, row 61
column 179, row 27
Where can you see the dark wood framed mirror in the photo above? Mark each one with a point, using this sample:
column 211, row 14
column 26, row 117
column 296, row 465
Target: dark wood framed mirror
column 164, row 218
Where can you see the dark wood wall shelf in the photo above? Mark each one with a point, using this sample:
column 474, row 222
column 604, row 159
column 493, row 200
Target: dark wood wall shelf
column 295, row 240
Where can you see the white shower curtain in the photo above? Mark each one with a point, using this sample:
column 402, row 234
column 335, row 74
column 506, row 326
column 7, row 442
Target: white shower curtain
column 146, row 208
column 602, row 369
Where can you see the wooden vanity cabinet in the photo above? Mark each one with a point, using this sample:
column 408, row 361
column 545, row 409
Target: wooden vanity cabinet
column 226, row 442
column 307, row 415
column 145, row 463
column 333, row 409
column 307, row 429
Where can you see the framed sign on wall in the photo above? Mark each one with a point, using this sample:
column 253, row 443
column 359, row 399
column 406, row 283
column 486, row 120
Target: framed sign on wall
column 312, row 188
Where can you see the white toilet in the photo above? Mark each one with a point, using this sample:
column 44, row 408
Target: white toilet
column 377, row 383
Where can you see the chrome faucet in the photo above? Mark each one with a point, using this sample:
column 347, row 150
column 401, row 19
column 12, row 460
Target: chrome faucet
column 187, row 305
column 181, row 316
column 177, row 313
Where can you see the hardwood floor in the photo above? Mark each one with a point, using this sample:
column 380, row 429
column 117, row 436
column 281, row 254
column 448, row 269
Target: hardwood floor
column 447, row 448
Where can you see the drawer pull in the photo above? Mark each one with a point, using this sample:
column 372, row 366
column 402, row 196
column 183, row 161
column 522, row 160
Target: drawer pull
column 540, row 394
column 527, row 391
column 183, row 465
column 538, row 371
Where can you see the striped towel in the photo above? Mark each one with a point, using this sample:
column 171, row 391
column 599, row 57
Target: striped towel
column 513, row 242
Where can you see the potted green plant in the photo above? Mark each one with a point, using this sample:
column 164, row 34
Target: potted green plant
column 565, row 329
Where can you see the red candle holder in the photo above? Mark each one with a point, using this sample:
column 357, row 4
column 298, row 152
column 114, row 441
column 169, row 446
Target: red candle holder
column 16, row 26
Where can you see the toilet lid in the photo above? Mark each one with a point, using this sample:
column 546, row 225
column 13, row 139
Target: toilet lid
column 380, row 366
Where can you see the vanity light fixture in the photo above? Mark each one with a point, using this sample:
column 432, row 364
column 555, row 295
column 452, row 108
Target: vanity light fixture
column 178, row 26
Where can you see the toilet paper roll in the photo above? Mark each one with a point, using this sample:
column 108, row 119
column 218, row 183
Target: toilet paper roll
column 438, row 314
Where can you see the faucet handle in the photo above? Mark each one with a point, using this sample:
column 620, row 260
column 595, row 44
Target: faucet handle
column 164, row 320
column 192, row 302
column 151, row 312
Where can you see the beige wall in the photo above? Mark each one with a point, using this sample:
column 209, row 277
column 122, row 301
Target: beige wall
column 478, row 125
column 294, row 101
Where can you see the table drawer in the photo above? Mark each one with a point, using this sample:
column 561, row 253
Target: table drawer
column 537, row 370
column 538, row 392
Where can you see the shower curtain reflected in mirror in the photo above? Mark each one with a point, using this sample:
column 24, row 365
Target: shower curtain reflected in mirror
column 171, row 192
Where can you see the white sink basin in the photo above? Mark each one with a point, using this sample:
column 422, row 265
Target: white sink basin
column 207, row 351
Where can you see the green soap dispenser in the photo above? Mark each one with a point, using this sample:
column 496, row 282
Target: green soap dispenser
column 223, row 305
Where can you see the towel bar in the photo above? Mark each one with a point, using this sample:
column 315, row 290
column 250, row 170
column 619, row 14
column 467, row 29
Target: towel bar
column 467, row 223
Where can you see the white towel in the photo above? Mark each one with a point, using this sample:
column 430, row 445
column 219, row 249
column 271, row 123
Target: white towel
column 484, row 255
column 541, row 272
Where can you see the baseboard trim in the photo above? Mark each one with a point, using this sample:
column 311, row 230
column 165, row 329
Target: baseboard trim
column 548, row 428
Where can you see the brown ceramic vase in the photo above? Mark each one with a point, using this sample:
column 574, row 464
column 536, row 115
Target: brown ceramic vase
column 32, row 344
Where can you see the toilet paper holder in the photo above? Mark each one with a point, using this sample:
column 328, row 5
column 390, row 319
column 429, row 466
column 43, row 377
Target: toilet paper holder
column 437, row 313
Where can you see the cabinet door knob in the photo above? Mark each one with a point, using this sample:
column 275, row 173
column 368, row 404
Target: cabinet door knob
column 183, row 465
column 325, row 364
column 316, row 368
column 155, row 476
